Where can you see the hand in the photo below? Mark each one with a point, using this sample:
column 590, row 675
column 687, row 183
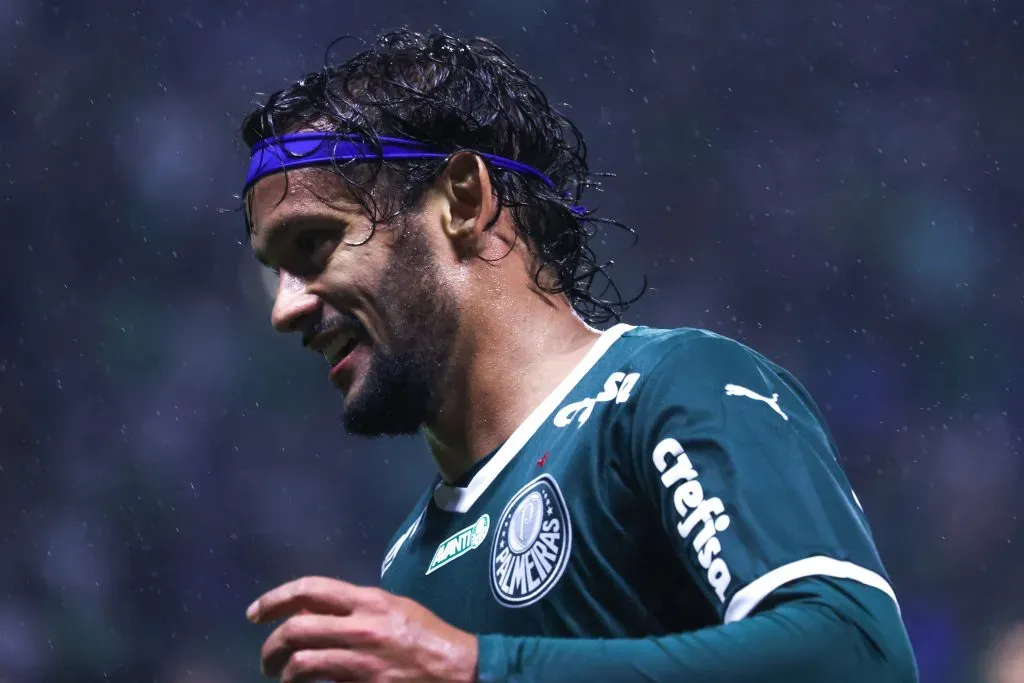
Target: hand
column 336, row 631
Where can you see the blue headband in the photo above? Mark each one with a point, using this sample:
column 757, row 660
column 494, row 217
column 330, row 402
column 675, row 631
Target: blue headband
column 298, row 150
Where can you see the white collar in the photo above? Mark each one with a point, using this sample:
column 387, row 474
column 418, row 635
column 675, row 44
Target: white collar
column 461, row 499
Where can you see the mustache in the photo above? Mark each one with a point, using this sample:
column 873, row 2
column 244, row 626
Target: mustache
column 343, row 322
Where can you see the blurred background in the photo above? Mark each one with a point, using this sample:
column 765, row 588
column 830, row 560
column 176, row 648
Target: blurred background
column 834, row 183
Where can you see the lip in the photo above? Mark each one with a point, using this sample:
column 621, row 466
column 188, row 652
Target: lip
column 342, row 373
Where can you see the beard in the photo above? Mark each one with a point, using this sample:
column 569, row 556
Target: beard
column 403, row 384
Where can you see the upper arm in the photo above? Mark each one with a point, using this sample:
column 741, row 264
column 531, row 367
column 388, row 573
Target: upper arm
column 745, row 484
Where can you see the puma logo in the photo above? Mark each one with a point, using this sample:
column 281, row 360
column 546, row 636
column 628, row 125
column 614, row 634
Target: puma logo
column 773, row 402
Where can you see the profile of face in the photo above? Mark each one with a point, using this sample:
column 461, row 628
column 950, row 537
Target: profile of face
column 372, row 301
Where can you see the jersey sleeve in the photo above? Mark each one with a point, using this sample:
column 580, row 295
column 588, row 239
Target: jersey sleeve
column 742, row 476
column 818, row 630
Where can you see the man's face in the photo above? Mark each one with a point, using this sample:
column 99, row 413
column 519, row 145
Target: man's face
column 372, row 301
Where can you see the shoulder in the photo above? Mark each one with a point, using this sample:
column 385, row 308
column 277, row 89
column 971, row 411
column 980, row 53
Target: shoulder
column 699, row 369
column 690, row 351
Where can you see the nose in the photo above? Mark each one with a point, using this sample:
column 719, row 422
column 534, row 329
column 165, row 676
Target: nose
column 293, row 303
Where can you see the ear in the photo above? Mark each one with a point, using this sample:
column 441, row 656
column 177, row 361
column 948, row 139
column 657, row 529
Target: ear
column 466, row 186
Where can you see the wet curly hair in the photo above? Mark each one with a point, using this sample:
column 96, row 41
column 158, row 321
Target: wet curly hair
column 459, row 95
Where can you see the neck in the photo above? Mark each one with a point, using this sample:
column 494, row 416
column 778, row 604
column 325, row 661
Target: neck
column 514, row 363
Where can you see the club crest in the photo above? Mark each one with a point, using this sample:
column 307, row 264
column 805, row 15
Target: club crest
column 532, row 542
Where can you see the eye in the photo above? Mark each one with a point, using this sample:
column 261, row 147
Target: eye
column 315, row 246
column 307, row 244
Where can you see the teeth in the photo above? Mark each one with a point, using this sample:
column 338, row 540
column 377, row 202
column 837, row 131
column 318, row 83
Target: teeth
column 333, row 350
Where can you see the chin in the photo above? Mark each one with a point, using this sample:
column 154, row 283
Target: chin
column 373, row 414
column 395, row 392
column 383, row 423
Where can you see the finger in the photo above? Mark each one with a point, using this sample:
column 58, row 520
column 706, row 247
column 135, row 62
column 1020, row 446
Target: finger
column 311, row 593
column 338, row 666
column 316, row 632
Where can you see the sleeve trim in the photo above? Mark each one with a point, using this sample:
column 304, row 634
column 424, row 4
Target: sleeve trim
column 751, row 595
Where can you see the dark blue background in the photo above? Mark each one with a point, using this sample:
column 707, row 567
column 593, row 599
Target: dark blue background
column 835, row 183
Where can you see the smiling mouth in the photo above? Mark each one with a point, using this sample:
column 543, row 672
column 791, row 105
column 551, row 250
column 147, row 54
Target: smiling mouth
column 340, row 347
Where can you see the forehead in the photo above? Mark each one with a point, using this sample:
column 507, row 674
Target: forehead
column 300, row 194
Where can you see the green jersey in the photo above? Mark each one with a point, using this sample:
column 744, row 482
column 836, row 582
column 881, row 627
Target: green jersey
column 674, row 480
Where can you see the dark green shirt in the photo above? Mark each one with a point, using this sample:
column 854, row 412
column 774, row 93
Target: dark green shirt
column 675, row 480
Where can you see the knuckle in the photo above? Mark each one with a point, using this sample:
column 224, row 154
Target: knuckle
column 301, row 664
column 378, row 598
column 311, row 586
column 304, row 660
column 304, row 586
column 294, row 630
column 366, row 666
column 369, row 634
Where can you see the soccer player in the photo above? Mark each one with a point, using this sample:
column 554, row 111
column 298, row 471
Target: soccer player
column 627, row 505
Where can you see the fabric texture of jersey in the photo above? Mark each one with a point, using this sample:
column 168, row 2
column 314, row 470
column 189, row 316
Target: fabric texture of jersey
column 673, row 481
